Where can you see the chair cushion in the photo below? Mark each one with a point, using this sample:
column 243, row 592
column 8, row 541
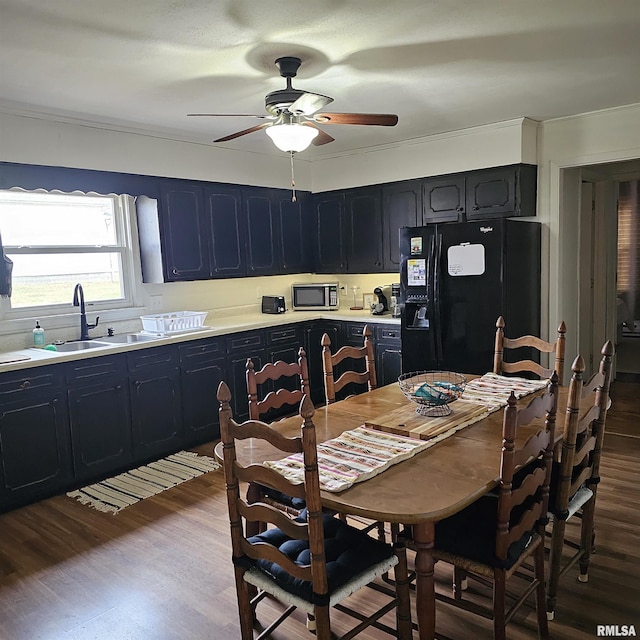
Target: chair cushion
column 348, row 552
column 471, row 534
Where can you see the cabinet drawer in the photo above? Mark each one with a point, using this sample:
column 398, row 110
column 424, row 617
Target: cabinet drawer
column 94, row 370
column 201, row 351
column 353, row 332
column 154, row 357
column 30, row 379
column 292, row 334
column 244, row 341
column 388, row 334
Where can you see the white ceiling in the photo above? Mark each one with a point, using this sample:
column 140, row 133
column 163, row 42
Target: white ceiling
column 441, row 65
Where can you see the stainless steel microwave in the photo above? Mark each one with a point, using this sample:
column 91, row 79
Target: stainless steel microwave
column 315, row 296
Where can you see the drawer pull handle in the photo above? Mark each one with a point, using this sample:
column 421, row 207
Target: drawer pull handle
column 25, row 385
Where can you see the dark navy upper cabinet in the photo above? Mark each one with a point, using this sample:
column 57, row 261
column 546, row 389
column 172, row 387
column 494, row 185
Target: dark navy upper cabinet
column 184, row 234
column 363, row 213
column 501, row 191
column 401, row 207
column 293, row 232
column 329, row 233
column 223, row 206
column 443, row 199
column 262, row 233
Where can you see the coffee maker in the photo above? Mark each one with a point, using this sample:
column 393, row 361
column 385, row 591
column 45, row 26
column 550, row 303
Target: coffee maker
column 384, row 296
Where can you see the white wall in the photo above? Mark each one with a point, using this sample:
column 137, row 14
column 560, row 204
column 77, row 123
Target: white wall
column 491, row 145
column 587, row 139
column 30, row 140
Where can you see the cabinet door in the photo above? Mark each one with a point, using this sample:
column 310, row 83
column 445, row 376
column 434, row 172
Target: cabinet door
column 401, row 207
column 329, row 233
column 388, row 354
column 99, row 417
column 262, row 240
column 100, row 428
column 443, row 199
column 203, row 367
column 223, row 208
column 293, row 229
column 364, row 230
column 154, row 386
column 184, row 236
column 491, row 193
column 34, row 446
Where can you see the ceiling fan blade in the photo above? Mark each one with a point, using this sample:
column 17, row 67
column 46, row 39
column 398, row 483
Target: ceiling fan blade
column 231, row 115
column 379, row 119
column 244, row 132
column 322, row 137
column 309, row 103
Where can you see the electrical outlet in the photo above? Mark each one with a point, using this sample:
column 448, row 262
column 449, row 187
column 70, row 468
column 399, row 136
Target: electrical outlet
column 155, row 302
column 344, row 292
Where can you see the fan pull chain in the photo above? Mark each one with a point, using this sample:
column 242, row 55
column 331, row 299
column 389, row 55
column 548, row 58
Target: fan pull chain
column 293, row 180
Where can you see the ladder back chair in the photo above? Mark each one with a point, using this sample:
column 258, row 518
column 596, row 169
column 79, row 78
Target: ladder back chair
column 297, row 375
column 576, row 476
column 332, row 361
column 311, row 562
column 493, row 537
column 500, row 366
column 330, row 364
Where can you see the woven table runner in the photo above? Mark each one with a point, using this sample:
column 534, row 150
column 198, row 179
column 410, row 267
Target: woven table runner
column 492, row 390
column 352, row 457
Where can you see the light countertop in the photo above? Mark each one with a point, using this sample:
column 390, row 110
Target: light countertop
column 217, row 324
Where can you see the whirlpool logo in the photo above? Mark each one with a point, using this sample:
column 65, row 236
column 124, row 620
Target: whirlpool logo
column 616, row 630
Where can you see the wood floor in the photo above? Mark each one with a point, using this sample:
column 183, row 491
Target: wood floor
column 161, row 569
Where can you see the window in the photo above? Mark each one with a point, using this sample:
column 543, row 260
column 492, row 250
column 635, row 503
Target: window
column 56, row 240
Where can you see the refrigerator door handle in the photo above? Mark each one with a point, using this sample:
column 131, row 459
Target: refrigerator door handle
column 436, row 295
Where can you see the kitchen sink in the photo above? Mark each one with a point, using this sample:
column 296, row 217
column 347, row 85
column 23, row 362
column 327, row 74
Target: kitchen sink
column 126, row 338
column 80, row 345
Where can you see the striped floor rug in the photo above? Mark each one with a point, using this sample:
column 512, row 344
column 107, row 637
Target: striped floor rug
column 114, row 494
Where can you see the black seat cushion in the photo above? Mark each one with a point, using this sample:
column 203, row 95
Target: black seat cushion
column 348, row 552
column 471, row 533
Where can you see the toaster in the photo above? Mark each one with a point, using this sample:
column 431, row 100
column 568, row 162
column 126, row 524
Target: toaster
column 273, row 304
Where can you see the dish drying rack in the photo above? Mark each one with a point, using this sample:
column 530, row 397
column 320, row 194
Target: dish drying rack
column 171, row 323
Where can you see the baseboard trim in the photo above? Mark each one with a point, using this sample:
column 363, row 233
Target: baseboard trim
column 627, row 377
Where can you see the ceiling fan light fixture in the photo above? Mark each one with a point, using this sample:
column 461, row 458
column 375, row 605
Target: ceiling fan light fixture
column 291, row 136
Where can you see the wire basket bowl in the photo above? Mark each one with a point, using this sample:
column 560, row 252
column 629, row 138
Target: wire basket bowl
column 432, row 391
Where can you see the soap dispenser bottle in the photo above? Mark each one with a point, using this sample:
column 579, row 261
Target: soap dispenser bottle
column 38, row 336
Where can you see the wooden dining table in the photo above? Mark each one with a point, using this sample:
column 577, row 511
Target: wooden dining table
column 432, row 485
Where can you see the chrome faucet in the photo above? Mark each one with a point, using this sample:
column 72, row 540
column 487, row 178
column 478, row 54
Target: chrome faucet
column 78, row 301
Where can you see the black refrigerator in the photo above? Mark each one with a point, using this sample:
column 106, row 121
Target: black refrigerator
column 455, row 280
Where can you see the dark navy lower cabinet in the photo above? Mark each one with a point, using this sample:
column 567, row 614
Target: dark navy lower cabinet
column 34, row 436
column 388, row 354
column 203, row 365
column 156, row 402
column 99, row 417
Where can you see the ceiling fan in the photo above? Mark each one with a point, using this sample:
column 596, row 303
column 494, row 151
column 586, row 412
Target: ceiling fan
column 293, row 115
